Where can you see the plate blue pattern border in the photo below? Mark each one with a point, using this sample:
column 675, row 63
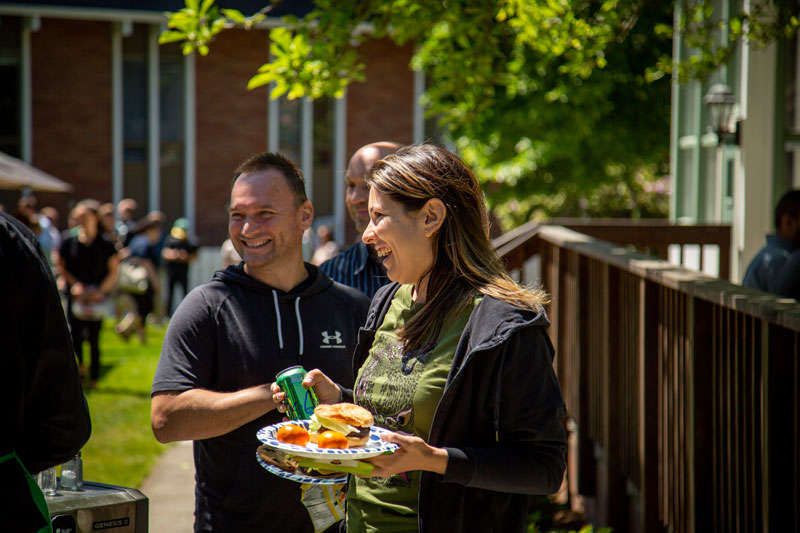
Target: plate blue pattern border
column 375, row 445
column 272, row 469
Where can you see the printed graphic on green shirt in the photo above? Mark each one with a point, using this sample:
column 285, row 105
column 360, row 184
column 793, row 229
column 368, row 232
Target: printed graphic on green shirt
column 389, row 393
column 402, row 391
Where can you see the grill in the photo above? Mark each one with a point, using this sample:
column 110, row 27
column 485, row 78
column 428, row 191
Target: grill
column 99, row 507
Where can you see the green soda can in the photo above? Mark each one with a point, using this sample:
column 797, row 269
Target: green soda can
column 301, row 401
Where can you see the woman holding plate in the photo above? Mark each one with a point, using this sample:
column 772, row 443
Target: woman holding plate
column 454, row 359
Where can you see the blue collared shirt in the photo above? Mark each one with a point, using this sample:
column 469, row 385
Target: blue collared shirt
column 357, row 268
column 766, row 268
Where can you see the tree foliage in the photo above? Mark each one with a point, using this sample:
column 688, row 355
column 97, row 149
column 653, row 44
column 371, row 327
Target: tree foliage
column 553, row 102
column 714, row 39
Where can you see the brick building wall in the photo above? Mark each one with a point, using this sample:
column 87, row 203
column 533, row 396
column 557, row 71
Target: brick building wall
column 382, row 107
column 71, row 100
column 231, row 123
column 72, row 112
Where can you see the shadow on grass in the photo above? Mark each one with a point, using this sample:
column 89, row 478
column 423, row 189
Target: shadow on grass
column 86, row 371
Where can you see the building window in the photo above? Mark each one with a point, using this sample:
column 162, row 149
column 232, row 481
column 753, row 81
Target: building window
column 135, row 116
column 172, row 135
column 161, row 71
column 11, row 88
column 306, row 132
column 323, row 155
column 290, row 124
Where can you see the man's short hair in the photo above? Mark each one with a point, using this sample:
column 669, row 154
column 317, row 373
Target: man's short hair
column 789, row 205
column 153, row 219
column 106, row 209
column 127, row 204
column 284, row 165
column 90, row 204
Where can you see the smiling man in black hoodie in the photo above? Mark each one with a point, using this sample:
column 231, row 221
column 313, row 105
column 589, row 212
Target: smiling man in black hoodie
column 230, row 337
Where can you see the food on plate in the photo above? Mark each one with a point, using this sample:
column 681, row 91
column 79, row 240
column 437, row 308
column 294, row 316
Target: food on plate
column 332, row 439
column 297, row 465
column 293, row 434
column 278, row 459
column 348, row 419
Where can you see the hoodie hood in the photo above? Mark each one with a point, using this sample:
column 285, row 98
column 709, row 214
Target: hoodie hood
column 493, row 321
column 314, row 284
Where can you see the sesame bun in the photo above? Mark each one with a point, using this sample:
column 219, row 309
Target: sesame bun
column 345, row 412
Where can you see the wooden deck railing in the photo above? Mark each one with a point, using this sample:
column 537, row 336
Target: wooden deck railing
column 652, row 237
column 684, row 389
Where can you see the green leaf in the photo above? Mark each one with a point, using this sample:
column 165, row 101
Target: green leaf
column 171, row 37
column 234, row 15
column 260, row 79
column 281, row 37
column 297, row 91
column 278, row 91
column 206, row 6
column 253, row 20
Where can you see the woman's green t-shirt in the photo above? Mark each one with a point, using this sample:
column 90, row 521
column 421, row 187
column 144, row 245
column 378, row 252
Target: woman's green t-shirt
column 402, row 392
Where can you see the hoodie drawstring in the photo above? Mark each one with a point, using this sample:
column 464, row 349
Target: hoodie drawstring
column 299, row 323
column 278, row 318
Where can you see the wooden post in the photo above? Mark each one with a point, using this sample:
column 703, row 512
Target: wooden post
column 780, row 432
column 647, row 352
column 701, row 407
column 614, row 489
column 587, row 466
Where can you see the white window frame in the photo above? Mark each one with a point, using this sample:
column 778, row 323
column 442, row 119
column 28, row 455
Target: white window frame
column 307, row 153
column 29, row 25
column 120, row 30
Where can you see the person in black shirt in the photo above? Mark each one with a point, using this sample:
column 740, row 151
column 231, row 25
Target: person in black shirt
column 88, row 263
column 177, row 253
column 230, row 337
column 357, row 266
column 44, row 413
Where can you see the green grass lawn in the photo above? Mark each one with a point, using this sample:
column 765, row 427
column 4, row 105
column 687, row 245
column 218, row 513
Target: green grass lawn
column 122, row 449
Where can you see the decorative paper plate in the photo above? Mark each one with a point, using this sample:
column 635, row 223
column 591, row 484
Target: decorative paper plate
column 374, row 446
column 300, row 478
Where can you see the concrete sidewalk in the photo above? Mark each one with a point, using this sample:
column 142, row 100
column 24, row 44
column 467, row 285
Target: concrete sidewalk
column 170, row 490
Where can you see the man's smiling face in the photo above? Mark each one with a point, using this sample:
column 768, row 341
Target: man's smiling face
column 265, row 223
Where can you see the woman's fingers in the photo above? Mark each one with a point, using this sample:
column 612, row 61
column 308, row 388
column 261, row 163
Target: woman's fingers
column 401, row 439
column 327, row 391
column 414, row 454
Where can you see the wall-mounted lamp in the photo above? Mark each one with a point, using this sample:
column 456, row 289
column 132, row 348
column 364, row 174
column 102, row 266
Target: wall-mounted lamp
column 721, row 106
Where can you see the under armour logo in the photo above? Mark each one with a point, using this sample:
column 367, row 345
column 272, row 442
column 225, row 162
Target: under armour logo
column 327, row 338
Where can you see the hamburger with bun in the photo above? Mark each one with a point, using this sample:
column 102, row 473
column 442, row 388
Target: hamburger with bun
column 348, row 419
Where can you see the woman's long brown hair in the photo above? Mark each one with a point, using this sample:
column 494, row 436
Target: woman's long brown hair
column 465, row 264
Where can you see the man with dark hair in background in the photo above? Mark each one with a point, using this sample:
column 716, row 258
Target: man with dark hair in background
column 770, row 270
column 126, row 227
column 229, row 338
column 45, row 416
column 145, row 252
column 357, row 266
column 178, row 252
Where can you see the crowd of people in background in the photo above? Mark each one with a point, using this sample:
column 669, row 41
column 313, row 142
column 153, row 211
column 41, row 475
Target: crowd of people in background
column 108, row 263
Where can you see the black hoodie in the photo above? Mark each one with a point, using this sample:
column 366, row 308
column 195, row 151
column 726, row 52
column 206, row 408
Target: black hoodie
column 500, row 418
column 237, row 332
column 44, row 414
